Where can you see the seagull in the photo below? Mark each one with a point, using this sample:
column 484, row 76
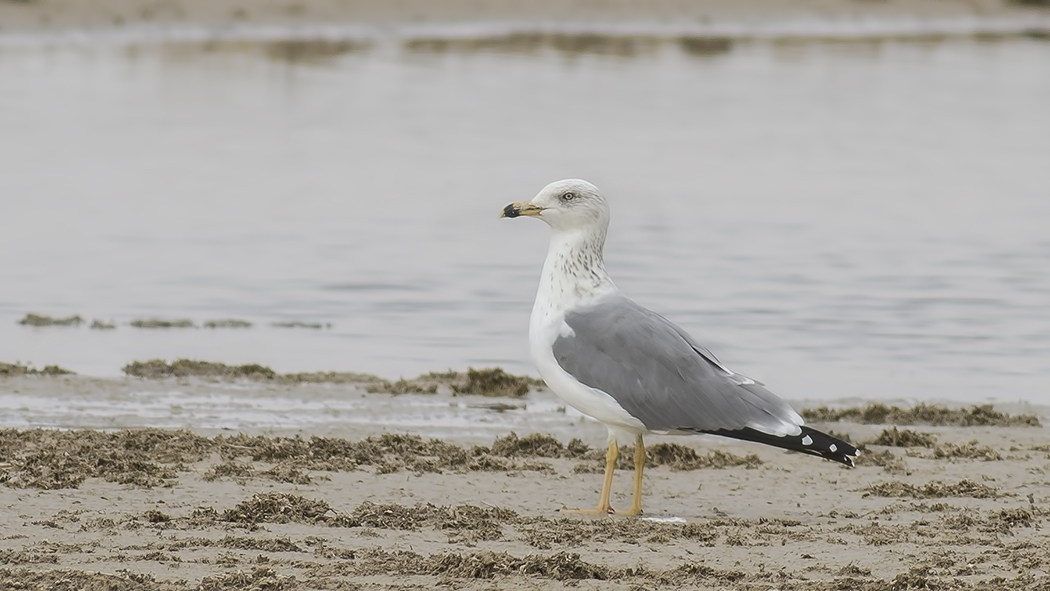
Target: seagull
column 630, row 368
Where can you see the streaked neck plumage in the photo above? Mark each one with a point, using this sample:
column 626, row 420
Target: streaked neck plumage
column 574, row 272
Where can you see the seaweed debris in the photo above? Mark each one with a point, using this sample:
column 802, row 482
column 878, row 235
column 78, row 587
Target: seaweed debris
column 158, row 368
column 162, row 323
column 969, row 450
column 479, row 382
column 484, row 564
column 66, row 579
column 386, row 453
column 311, row 50
column 47, row 459
column 8, row 370
column 677, row 457
column 227, row 323
column 494, row 382
column 934, row 489
column 497, row 407
column 50, row 460
column 231, row 469
column 561, row 566
column 484, row 523
column 904, row 438
column 538, row 444
column 298, row 324
column 483, row 382
column 260, row 577
column 465, row 523
column 680, row 457
column 328, row 377
column 42, row 320
column 273, row 507
column 883, row 459
column 921, row 414
column 573, row 43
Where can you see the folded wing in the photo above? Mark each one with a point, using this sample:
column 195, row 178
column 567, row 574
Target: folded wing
column 658, row 374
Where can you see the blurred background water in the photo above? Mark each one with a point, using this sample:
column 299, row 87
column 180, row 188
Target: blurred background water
column 862, row 219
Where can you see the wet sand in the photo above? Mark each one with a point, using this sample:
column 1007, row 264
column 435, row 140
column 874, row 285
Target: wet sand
column 943, row 507
column 52, row 15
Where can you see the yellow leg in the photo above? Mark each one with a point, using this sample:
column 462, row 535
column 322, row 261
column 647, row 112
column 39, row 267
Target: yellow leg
column 639, row 467
column 604, row 507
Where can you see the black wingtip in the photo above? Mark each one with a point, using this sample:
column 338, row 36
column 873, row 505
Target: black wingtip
column 809, row 441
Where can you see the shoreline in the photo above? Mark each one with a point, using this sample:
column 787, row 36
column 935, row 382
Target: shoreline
column 373, row 21
column 444, row 405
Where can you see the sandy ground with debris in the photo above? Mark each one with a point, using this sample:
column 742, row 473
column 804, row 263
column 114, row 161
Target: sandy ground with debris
column 44, row 15
column 945, row 507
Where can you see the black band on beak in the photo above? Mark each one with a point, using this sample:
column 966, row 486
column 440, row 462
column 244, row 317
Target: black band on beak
column 511, row 211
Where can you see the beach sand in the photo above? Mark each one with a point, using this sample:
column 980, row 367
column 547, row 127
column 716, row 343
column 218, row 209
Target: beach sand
column 59, row 15
column 938, row 507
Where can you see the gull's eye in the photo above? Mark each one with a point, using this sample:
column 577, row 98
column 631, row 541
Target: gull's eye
column 568, row 196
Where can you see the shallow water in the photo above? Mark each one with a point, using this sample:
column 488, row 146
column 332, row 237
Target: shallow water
column 336, row 410
column 840, row 220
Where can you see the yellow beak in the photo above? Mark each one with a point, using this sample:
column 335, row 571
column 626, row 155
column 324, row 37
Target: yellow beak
column 519, row 209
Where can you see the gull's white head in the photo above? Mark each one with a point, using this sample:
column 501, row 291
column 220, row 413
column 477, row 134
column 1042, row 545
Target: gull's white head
column 570, row 204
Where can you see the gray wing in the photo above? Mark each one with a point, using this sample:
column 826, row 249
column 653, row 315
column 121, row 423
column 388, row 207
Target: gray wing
column 658, row 374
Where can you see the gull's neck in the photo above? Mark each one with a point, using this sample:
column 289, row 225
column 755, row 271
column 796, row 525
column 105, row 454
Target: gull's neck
column 574, row 272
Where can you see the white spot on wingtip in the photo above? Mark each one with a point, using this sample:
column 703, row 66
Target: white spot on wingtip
column 807, row 440
column 833, row 447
